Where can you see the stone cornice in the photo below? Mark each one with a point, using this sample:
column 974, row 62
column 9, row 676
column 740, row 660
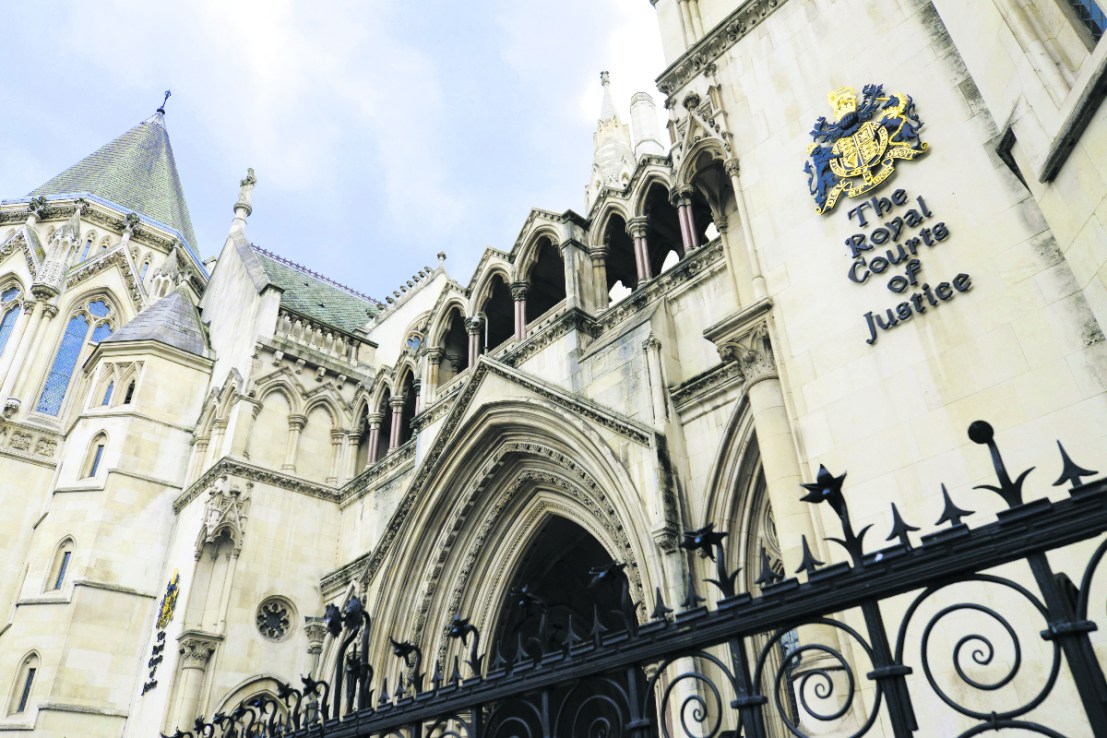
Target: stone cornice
column 699, row 262
column 573, row 319
column 738, row 324
column 718, row 40
column 705, row 384
column 397, row 461
column 229, row 466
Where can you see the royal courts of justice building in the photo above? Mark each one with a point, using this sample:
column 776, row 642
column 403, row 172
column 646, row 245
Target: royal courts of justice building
column 862, row 226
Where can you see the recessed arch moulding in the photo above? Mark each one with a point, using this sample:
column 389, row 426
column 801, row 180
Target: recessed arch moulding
column 471, row 518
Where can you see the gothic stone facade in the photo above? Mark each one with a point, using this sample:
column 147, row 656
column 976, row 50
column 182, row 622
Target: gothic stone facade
column 195, row 458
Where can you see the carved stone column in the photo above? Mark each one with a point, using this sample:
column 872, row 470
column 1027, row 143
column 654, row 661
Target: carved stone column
column 349, row 455
column 199, row 456
column 296, row 425
column 760, row 290
column 473, row 326
column 316, row 631
column 434, row 361
column 374, row 420
column 19, row 372
column 196, row 649
column 218, row 432
column 15, row 343
column 682, row 200
column 570, row 257
column 519, row 296
column 753, row 352
column 245, row 433
column 397, row 405
column 598, row 257
column 337, row 438
column 637, row 228
column 417, row 388
column 652, row 348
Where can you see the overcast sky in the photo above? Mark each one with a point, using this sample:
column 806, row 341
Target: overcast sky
column 380, row 132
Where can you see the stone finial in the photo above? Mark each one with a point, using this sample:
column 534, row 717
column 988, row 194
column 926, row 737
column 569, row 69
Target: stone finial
column 243, row 207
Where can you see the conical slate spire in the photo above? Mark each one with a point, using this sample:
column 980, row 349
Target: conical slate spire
column 136, row 171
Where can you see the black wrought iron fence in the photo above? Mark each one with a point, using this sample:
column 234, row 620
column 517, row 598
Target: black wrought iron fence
column 739, row 668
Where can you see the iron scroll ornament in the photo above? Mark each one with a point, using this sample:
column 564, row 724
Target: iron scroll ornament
column 731, row 648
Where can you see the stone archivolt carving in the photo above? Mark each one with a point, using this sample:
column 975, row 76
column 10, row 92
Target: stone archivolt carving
column 573, row 481
column 226, row 510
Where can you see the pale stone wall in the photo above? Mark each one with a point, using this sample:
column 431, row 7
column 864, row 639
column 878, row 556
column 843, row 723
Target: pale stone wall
column 706, row 396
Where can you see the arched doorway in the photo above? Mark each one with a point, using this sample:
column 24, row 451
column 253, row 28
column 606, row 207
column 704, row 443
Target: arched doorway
column 560, row 586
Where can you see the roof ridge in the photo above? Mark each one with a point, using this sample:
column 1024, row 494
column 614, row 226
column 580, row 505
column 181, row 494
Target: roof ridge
column 316, row 275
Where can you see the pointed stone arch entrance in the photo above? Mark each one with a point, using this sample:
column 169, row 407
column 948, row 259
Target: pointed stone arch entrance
column 561, row 587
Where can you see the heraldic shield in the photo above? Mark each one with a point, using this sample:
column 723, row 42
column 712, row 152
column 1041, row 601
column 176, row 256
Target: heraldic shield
column 857, row 152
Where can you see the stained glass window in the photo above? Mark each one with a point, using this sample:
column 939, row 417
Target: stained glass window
column 7, row 324
column 101, row 332
column 88, row 245
column 94, row 315
column 9, row 294
column 107, row 394
column 145, row 266
column 1090, row 16
column 57, row 381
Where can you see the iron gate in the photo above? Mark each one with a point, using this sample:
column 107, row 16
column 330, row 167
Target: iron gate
column 739, row 668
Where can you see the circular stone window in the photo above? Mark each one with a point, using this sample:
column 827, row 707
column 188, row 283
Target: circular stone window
column 274, row 618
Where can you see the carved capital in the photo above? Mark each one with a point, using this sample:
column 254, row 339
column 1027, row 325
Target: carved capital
column 374, row 420
column 753, row 353
column 637, row 227
column 316, row 631
column 731, row 167
column 297, row 422
column 397, row 403
column 434, row 355
column 681, row 196
column 651, row 343
column 519, row 291
column 473, row 324
column 667, row 539
column 196, row 649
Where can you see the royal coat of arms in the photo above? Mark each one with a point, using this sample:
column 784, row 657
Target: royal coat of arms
column 857, row 152
column 169, row 601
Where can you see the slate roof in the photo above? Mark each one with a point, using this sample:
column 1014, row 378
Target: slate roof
column 172, row 320
column 314, row 296
column 137, row 171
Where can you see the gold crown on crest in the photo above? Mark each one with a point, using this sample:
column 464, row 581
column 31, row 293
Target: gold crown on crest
column 843, row 100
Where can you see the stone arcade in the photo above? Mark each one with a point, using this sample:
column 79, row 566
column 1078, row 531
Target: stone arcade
column 197, row 456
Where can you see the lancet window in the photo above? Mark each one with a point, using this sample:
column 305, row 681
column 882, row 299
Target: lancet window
column 24, row 683
column 10, row 305
column 91, row 324
column 60, row 566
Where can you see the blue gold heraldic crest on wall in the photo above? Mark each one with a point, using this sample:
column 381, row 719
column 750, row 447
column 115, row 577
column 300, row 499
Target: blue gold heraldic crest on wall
column 857, row 151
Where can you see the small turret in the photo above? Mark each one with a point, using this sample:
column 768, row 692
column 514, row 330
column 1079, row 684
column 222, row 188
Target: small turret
column 643, row 124
column 613, row 161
